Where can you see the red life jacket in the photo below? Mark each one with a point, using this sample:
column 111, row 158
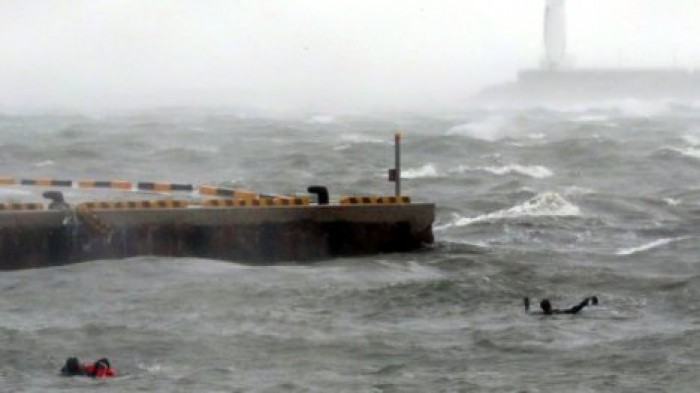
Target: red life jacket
column 101, row 371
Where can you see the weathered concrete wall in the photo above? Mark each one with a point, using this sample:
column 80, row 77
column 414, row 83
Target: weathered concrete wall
column 262, row 235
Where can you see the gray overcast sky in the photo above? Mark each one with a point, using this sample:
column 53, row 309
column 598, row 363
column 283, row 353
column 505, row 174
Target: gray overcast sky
column 312, row 55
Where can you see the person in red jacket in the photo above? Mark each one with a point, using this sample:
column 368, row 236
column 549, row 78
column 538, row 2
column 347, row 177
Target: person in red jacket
column 99, row 369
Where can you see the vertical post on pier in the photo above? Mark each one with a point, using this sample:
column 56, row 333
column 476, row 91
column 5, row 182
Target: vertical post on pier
column 397, row 163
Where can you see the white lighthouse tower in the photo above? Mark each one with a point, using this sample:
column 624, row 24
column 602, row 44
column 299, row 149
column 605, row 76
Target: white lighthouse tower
column 554, row 35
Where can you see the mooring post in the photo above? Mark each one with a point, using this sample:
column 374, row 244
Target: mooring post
column 397, row 163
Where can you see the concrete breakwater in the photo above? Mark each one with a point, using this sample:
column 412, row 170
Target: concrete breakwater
column 32, row 238
column 207, row 221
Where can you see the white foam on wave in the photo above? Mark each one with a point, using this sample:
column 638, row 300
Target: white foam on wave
column 41, row 164
column 648, row 246
column 427, row 170
column 672, row 201
column 536, row 171
column 489, row 129
column 546, row 204
column 693, row 152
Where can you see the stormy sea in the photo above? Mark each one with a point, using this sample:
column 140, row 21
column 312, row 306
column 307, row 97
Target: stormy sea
column 544, row 202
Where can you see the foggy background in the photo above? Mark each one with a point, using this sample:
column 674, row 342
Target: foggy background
column 311, row 55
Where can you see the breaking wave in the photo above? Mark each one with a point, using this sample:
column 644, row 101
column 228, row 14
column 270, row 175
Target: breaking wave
column 536, row 171
column 692, row 152
column 427, row 170
column 41, row 164
column 547, row 204
column 488, row 129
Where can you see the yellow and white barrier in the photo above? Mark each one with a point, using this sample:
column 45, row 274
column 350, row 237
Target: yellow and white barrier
column 374, row 200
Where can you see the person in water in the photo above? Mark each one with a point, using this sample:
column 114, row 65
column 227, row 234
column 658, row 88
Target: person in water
column 99, row 369
column 547, row 309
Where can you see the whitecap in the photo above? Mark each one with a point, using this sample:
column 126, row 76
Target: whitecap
column 672, row 201
column 427, row 170
column 692, row 152
column 489, row 129
column 43, row 163
column 536, row 171
column 546, row 204
column 648, row 246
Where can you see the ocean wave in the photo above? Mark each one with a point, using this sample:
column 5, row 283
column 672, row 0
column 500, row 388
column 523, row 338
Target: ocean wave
column 489, row 129
column 692, row 152
column 360, row 138
column 648, row 246
column 546, row 204
column 427, row 170
column 672, row 201
column 536, row 171
column 43, row 164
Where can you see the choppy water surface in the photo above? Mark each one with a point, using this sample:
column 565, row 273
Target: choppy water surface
column 549, row 202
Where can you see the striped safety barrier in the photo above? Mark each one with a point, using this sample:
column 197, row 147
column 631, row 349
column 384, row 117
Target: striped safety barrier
column 7, row 180
column 164, row 186
column 146, row 204
column 21, row 206
column 46, row 182
column 227, row 192
column 257, row 202
column 118, row 184
column 374, row 200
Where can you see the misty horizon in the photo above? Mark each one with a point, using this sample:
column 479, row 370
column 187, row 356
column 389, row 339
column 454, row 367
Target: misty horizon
column 312, row 56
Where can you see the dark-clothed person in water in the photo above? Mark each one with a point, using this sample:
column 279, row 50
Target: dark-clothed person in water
column 547, row 309
column 99, row 369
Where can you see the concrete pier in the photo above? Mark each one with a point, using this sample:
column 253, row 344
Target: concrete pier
column 30, row 239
